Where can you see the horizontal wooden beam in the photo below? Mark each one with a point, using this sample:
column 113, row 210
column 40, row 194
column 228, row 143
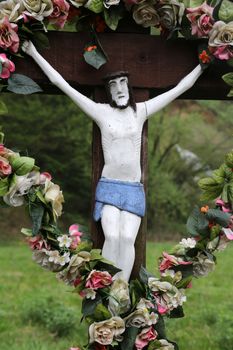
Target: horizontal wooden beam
column 153, row 63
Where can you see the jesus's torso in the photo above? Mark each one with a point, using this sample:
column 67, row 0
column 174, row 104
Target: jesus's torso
column 121, row 133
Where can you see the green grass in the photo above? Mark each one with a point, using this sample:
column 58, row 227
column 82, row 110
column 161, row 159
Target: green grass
column 209, row 310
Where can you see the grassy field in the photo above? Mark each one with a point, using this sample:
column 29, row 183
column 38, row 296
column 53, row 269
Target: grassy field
column 28, row 292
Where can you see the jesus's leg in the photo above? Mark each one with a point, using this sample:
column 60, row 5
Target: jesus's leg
column 129, row 226
column 110, row 221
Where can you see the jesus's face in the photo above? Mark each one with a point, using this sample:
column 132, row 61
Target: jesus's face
column 119, row 91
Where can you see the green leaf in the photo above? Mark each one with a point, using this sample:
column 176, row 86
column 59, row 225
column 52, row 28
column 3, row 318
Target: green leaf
column 107, row 267
column 144, row 275
column 184, row 282
column 195, row 3
column 96, row 254
column 112, row 16
column 96, row 6
column 95, row 58
column 4, row 185
column 22, row 165
column 229, row 159
column 20, row 84
column 41, row 197
column 0, row 67
column 27, row 232
column 225, row 13
column 218, row 216
column 40, row 40
column 230, row 94
column 137, row 291
column 84, row 245
column 211, row 188
column 177, row 313
column 88, row 305
column 36, row 212
column 197, row 224
column 2, row 137
column 3, row 108
column 228, row 78
column 129, row 338
column 160, row 328
column 101, row 313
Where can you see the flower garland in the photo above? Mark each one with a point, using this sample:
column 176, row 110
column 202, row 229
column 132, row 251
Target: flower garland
column 119, row 315
column 20, row 20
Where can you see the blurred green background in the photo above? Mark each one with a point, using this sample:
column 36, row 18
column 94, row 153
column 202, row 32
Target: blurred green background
column 186, row 141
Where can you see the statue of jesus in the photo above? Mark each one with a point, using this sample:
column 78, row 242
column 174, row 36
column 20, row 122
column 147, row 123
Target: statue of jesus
column 120, row 197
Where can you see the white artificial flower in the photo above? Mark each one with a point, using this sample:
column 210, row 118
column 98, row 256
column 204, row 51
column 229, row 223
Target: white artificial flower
column 53, row 256
column 89, row 293
column 188, row 243
column 20, row 187
column 64, row 241
column 63, row 259
column 153, row 319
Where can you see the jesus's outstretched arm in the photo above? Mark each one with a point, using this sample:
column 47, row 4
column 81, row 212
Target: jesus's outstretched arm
column 88, row 106
column 160, row 101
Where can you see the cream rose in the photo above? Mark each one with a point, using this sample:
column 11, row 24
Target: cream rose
column 106, row 331
column 12, row 9
column 38, row 9
column 221, row 40
column 156, row 285
column 119, row 301
column 145, row 14
column 53, row 195
column 70, row 274
column 203, row 266
column 171, row 13
column 138, row 318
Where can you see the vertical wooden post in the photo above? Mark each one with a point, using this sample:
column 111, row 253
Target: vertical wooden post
column 97, row 166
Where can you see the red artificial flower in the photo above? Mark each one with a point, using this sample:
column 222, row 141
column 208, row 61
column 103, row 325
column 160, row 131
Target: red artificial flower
column 91, row 48
column 204, row 57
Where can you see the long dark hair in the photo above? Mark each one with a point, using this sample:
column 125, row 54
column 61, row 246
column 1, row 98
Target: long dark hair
column 112, row 103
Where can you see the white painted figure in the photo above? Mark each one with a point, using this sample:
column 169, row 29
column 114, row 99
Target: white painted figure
column 121, row 124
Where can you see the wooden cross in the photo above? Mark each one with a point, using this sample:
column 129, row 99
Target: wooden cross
column 154, row 64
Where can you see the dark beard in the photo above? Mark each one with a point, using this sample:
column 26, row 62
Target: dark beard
column 115, row 105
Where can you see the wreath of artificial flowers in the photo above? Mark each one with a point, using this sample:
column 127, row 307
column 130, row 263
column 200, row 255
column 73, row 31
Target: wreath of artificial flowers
column 20, row 20
column 119, row 315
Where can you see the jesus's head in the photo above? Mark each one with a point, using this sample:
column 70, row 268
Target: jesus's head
column 118, row 90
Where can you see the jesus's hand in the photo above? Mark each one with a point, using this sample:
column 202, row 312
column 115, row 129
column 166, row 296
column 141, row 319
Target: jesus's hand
column 29, row 48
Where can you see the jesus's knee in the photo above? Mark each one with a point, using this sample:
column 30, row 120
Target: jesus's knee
column 110, row 222
column 129, row 227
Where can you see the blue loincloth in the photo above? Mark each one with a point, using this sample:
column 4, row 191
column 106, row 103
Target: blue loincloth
column 125, row 195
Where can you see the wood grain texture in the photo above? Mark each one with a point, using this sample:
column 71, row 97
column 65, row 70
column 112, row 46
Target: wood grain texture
column 154, row 63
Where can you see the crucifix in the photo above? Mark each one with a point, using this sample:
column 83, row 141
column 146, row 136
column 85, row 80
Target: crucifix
column 121, row 124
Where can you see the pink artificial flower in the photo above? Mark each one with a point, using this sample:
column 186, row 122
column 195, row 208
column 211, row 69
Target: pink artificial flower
column 225, row 207
column 9, row 39
column 75, row 234
column 45, row 176
column 171, row 260
column 228, row 233
column 7, row 68
column 147, row 334
column 161, row 304
column 60, row 13
column 3, row 150
column 201, row 19
column 98, row 279
column 5, row 167
column 74, row 349
column 222, row 52
column 38, row 243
